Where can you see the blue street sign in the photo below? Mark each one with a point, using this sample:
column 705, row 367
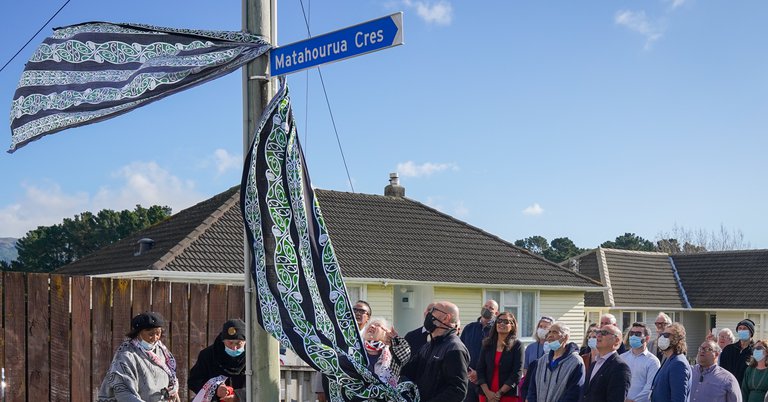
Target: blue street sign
column 347, row 42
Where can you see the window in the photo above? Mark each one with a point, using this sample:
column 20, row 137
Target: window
column 520, row 303
column 355, row 293
column 630, row 317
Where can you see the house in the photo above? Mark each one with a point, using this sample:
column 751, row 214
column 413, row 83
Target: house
column 702, row 291
column 396, row 253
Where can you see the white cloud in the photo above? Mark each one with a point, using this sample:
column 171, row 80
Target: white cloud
column 411, row 169
column 637, row 21
column 533, row 210
column 144, row 183
column 438, row 12
column 676, row 3
column 225, row 161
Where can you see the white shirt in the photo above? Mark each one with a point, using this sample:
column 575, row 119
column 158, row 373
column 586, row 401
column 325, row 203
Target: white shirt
column 643, row 368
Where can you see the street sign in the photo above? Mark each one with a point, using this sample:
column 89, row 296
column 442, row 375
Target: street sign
column 356, row 40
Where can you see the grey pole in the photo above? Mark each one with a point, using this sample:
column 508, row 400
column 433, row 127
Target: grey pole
column 262, row 364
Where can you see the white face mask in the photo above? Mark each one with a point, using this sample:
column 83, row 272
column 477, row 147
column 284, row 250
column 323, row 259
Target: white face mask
column 542, row 333
column 663, row 343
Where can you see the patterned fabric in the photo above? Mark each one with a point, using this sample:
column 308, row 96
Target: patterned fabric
column 94, row 71
column 209, row 389
column 302, row 300
column 136, row 375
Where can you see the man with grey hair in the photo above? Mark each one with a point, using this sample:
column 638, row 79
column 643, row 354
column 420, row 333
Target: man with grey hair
column 710, row 382
column 610, row 319
column 472, row 336
column 662, row 321
column 559, row 374
column 439, row 369
column 607, row 379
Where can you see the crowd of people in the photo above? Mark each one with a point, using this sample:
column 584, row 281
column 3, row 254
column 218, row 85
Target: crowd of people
column 482, row 362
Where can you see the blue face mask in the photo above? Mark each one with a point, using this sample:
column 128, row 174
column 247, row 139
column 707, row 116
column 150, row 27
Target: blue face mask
column 744, row 334
column 758, row 354
column 635, row 341
column 146, row 345
column 546, row 347
column 592, row 343
column 554, row 345
column 234, row 352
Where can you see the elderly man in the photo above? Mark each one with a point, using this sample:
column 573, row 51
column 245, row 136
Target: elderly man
column 419, row 336
column 439, row 370
column 736, row 355
column 642, row 363
column 608, row 378
column 710, row 382
column 610, row 319
column 673, row 380
column 558, row 375
column 662, row 321
column 472, row 336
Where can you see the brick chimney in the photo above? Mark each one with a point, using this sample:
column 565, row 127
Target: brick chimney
column 394, row 189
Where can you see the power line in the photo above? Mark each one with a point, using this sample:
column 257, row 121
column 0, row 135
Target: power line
column 328, row 102
column 33, row 36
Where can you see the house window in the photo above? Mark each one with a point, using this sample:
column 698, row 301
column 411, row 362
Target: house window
column 355, row 293
column 630, row 317
column 520, row 303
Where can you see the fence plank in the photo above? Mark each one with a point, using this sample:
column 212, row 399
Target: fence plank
column 235, row 302
column 81, row 340
column 161, row 304
column 198, row 319
column 38, row 361
column 15, row 336
column 180, row 334
column 60, row 335
column 217, row 310
column 102, row 332
column 121, row 311
column 142, row 294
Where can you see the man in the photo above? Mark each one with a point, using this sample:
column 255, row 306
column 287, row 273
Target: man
column 472, row 336
column 610, row 319
column 712, row 383
column 419, row 336
column 608, row 377
column 558, row 375
column 363, row 313
column 439, row 370
column 661, row 323
column 736, row 355
column 673, row 380
column 220, row 368
column 642, row 364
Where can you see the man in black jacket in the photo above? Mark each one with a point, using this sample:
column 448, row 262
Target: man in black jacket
column 439, row 370
column 608, row 378
column 735, row 356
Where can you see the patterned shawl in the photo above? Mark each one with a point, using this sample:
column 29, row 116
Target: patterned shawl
column 94, row 71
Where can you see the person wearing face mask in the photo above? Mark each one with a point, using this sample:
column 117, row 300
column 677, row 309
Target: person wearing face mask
column 710, row 382
column 439, row 369
column 387, row 352
column 642, row 363
column 672, row 382
column 143, row 369
column 559, row 374
column 754, row 386
column 472, row 336
column 535, row 350
column 219, row 372
column 589, row 353
column 736, row 355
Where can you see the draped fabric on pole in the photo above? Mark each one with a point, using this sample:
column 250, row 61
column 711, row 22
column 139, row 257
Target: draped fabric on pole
column 94, row 71
column 302, row 300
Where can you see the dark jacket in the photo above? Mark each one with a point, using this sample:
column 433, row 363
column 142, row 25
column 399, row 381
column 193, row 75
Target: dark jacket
column 416, row 339
column 212, row 362
column 673, row 381
column 734, row 358
column 609, row 384
column 439, row 370
column 510, row 366
column 472, row 336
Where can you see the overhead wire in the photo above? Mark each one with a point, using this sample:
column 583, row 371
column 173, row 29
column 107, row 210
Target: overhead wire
column 328, row 102
column 35, row 35
column 306, row 92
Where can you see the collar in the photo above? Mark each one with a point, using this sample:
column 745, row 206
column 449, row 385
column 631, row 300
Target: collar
column 424, row 330
column 606, row 356
column 707, row 370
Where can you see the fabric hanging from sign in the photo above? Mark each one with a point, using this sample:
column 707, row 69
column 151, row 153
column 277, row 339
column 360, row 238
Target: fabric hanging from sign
column 302, row 300
column 94, row 71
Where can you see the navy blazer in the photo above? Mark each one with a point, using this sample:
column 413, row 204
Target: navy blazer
column 609, row 384
column 673, row 381
column 510, row 366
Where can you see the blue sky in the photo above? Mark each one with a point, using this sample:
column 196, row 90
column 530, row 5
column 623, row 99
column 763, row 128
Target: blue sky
column 582, row 119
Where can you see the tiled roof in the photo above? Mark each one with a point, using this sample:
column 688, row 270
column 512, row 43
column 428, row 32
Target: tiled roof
column 376, row 237
column 725, row 279
column 588, row 266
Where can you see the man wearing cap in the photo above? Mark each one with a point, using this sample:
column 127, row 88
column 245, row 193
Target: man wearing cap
column 736, row 355
column 219, row 372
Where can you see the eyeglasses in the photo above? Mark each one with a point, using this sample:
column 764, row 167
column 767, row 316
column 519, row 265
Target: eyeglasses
column 706, row 349
column 665, row 334
column 636, row 333
column 360, row 311
column 503, row 321
column 661, row 324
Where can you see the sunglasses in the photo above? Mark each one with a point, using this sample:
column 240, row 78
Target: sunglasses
column 604, row 332
column 665, row 334
column 706, row 350
column 636, row 333
column 360, row 311
column 503, row 321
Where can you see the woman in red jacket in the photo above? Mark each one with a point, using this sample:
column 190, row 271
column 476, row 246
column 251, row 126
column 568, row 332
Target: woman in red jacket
column 501, row 361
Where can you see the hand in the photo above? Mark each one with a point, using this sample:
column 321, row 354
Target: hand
column 391, row 333
column 491, row 396
column 221, row 391
column 472, row 375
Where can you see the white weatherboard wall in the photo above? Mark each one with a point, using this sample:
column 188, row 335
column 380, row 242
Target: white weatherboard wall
column 411, row 315
column 564, row 306
column 380, row 299
column 469, row 301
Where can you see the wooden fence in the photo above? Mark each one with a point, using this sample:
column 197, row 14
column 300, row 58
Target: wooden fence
column 58, row 333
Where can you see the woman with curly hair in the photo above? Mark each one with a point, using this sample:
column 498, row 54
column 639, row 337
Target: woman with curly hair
column 673, row 380
column 754, row 386
column 501, row 361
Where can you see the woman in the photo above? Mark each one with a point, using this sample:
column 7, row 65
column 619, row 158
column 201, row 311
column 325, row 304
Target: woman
column 586, row 346
column 535, row 350
column 590, row 352
column 755, row 382
column 501, row 361
column 387, row 352
column 725, row 337
column 672, row 382
column 220, row 368
column 143, row 369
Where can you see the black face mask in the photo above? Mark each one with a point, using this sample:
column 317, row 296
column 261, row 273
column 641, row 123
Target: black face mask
column 485, row 313
column 429, row 322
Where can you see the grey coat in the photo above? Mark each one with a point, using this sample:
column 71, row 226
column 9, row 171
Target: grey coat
column 133, row 377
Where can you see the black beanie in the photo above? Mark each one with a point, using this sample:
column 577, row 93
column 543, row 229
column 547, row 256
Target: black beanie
column 749, row 324
column 147, row 320
column 233, row 329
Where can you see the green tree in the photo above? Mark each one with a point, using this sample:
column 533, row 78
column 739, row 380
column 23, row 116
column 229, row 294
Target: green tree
column 49, row 247
column 630, row 241
column 557, row 250
column 534, row 244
